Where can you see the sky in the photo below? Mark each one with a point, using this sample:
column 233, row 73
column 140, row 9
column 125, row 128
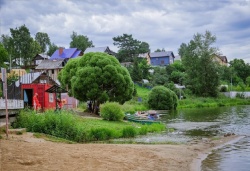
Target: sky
column 161, row 23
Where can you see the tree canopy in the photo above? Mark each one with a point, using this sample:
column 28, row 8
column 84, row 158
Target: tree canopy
column 129, row 48
column 43, row 40
column 4, row 55
column 80, row 41
column 202, row 75
column 97, row 77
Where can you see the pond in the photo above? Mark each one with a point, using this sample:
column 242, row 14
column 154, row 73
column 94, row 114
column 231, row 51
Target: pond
column 190, row 124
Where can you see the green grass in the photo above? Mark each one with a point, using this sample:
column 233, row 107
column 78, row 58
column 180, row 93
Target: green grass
column 70, row 126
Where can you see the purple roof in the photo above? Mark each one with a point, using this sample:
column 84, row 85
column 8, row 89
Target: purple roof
column 67, row 53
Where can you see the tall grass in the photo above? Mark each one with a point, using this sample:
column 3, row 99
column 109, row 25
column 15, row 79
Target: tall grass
column 72, row 127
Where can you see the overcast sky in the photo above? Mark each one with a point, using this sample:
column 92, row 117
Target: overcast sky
column 161, row 23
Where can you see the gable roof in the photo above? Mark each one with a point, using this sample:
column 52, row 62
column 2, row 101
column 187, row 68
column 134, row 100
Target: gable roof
column 41, row 57
column 66, row 54
column 104, row 49
column 161, row 54
column 29, row 78
column 51, row 64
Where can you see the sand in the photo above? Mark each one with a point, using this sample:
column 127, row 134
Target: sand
column 25, row 152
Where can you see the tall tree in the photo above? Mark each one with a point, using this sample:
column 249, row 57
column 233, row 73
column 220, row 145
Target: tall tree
column 3, row 55
column 43, row 40
column 242, row 70
column 201, row 70
column 52, row 49
column 97, row 77
column 129, row 48
column 80, row 41
column 160, row 50
column 22, row 41
column 7, row 43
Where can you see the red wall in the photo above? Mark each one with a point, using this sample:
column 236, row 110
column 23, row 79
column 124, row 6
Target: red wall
column 43, row 97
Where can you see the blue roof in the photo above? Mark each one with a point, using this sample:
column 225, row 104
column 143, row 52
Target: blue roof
column 67, row 53
column 161, row 54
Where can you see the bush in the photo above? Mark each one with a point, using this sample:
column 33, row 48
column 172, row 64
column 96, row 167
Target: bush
column 223, row 89
column 162, row 98
column 111, row 111
column 128, row 132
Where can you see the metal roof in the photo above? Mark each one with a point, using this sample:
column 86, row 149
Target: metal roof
column 161, row 54
column 28, row 78
column 96, row 49
column 56, row 89
column 67, row 53
column 51, row 64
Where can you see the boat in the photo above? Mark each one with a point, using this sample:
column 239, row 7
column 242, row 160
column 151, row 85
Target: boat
column 145, row 117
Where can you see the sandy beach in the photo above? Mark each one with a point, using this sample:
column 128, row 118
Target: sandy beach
column 25, row 152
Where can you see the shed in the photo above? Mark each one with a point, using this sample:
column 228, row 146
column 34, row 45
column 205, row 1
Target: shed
column 38, row 82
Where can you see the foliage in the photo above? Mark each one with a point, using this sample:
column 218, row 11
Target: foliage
column 98, row 77
column 129, row 132
column 129, row 48
column 162, row 98
column 43, row 40
column 223, row 89
column 72, row 127
column 4, row 55
column 240, row 69
column 111, row 111
column 80, row 42
column 202, row 75
column 52, row 49
column 160, row 77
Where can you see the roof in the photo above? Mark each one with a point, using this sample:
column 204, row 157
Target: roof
column 143, row 55
column 96, row 49
column 104, row 49
column 51, row 64
column 161, row 54
column 56, row 89
column 41, row 56
column 66, row 54
column 28, row 78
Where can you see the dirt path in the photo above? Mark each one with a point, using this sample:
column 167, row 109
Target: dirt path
column 24, row 152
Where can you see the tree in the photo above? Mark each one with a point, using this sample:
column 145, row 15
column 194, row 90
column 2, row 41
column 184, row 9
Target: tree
column 80, row 42
column 21, row 45
column 159, row 77
column 43, row 40
column 52, row 49
column 4, row 55
column 162, row 98
column 160, row 50
column 241, row 69
column 202, row 75
column 129, row 48
column 97, row 77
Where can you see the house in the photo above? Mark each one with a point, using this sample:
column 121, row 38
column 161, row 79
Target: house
column 104, row 49
column 57, row 61
column 38, row 58
column 161, row 58
column 146, row 56
column 222, row 60
column 51, row 67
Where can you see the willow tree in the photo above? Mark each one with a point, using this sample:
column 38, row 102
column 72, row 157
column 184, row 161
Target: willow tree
column 198, row 60
column 97, row 77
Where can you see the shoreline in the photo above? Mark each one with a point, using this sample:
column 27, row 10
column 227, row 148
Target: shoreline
column 25, row 152
column 197, row 162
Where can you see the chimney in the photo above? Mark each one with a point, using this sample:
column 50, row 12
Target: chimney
column 60, row 51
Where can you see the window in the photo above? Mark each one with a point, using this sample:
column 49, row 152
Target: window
column 52, row 71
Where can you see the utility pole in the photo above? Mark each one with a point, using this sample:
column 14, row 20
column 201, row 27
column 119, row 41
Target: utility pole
column 3, row 70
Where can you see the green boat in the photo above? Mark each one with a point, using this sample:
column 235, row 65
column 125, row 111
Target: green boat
column 134, row 118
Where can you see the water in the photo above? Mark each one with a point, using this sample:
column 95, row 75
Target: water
column 190, row 124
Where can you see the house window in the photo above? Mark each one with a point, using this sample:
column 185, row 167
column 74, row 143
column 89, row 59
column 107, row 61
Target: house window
column 162, row 62
column 52, row 71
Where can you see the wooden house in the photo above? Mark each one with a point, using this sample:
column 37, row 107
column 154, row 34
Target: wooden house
column 161, row 58
column 104, row 49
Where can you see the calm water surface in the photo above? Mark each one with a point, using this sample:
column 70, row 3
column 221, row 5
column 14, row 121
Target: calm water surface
column 192, row 124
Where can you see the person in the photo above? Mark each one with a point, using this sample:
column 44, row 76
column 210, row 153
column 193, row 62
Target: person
column 36, row 104
column 59, row 103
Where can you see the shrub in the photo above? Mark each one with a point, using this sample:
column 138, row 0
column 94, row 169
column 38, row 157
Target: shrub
column 128, row 132
column 111, row 111
column 223, row 89
column 162, row 98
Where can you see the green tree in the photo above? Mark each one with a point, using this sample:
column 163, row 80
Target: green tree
column 241, row 69
column 52, row 49
column 129, row 48
column 43, row 40
column 202, row 75
column 3, row 56
column 22, row 42
column 159, row 77
column 80, row 42
column 160, row 50
column 162, row 98
column 98, row 77
column 7, row 42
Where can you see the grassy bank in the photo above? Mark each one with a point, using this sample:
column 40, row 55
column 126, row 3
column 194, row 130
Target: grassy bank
column 72, row 127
